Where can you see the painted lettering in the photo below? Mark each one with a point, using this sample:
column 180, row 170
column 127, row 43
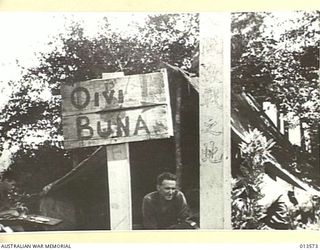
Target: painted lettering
column 210, row 152
column 141, row 125
column 210, row 127
column 96, row 99
column 76, row 97
column 121, row 127
column 120, row 96
column 108, row 129
column 82, row 124
column 108, row 96
column 104, row 133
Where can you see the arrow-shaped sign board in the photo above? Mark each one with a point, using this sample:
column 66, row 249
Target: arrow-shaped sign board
column 117, row 110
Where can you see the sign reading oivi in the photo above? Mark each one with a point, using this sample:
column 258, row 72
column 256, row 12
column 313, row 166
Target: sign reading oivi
column 117, row 110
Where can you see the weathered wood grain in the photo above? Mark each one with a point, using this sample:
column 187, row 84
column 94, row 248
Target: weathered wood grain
column 109, row 94
column 214, row 87
column 119, row 180
column 116, row 110
column 116, row 127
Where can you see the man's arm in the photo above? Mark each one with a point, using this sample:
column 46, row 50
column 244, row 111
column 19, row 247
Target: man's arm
column 184, row 212
column 148, row 214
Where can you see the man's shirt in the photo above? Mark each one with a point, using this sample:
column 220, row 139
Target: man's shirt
column 159, row 213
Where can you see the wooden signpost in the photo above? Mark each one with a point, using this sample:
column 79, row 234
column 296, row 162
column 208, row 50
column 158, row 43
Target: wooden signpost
column 214, row 93
column 119, row 181
column 114, row 111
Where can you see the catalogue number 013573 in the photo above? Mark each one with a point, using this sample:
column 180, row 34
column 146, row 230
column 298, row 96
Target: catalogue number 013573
column 309, row 246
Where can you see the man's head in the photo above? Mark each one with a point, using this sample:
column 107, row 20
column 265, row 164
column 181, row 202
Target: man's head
column 167, row 185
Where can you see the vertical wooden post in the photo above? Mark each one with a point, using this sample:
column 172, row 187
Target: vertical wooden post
column 119, row 180
column 214, row 92
column 119, row 186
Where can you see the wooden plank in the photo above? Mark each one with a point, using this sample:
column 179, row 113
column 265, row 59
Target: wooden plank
column 116, row 110
column 214, row 92
column 119, row 181
column 33, row 218
column 119, row 186
column 109, row 94
column 111, row 75
column 227, row 122
column 116, row 127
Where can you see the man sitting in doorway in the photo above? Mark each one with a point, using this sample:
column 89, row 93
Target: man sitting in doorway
column 166, row 208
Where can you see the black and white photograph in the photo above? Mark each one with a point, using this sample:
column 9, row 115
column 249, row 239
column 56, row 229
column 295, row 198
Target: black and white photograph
column 99, row 122
column 159, row 121
column 275, row 120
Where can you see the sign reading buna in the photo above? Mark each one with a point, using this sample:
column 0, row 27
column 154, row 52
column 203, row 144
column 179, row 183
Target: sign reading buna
column 117, row 110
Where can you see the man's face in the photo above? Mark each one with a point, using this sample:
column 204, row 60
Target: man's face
column 167, row 189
